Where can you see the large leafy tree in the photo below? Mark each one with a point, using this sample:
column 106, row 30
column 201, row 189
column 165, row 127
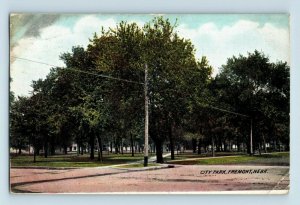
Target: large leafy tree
column 174, row 74
column 254, row 86
column 176, row 78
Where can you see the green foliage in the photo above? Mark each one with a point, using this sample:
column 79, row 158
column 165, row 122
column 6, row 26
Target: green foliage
column 99, row 95
column 260, row 89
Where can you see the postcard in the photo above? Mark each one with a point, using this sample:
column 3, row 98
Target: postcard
column 149, row 103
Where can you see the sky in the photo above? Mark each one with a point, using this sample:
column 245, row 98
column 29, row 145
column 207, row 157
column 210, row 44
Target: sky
column 44, row 37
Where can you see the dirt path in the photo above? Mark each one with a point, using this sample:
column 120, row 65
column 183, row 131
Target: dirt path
column 191, row 178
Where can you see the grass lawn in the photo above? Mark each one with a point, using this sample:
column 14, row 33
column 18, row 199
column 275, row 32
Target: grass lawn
column 140, row 165
column 272, row 159
column 72, row 160
column 190, row 155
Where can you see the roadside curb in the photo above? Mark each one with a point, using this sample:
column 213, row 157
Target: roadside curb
column 50, row 168
column 163, row 166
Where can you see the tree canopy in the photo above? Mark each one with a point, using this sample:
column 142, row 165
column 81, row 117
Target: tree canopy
column 97, row 99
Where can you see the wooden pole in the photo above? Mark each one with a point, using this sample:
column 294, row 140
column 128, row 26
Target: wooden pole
column 146, row 117
column 251, row 140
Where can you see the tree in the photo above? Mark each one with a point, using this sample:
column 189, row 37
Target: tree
column 260, row 89
column 176, row 77
column 18, row 133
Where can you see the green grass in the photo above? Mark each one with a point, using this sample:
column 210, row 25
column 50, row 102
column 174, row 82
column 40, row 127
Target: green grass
column 137, row 165
column 190, row 155
column 72, row 160
column 265, row 159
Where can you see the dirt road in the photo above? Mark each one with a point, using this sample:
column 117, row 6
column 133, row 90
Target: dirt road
column 189, row 178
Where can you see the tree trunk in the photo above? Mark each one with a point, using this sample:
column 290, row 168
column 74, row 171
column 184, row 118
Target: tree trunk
column 122, row 147
column 46, row 149
column 238, row 147
column 99, row 144
column 159, row 152
column 65, row 149
column 92, row 145
column 248, row 148
column 194, row 145
column 37, row 151
column 116, row 147
column 264, row 144
column 101, row 149
column 131, row 144
column 172, row 146
column 34, row 154
column 213, row 146
column 78, row 149
column 199, row 146
column 217, row 145
column 225, row 146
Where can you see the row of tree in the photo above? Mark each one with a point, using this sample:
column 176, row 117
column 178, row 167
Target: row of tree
column 97, row 99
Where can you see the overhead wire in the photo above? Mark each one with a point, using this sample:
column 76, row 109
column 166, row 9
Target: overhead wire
column 124, row 80
column 81, row 71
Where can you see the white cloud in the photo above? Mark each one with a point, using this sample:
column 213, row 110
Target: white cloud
column 88, row 25
column 218, row 44
column 53, row 41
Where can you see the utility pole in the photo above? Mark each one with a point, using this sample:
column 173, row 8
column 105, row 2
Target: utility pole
column 146, row 117
column 251, row 141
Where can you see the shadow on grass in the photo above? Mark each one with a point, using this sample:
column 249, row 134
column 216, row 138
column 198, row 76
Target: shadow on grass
column 73, row 160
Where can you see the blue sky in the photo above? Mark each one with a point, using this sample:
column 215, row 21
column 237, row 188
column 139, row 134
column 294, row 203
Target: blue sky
column 217, row 36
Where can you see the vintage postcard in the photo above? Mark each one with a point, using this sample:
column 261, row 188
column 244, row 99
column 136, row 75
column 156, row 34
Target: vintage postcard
column 149, row 103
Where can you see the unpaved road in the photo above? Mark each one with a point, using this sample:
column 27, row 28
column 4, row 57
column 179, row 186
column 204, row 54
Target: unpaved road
column 188, row 178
